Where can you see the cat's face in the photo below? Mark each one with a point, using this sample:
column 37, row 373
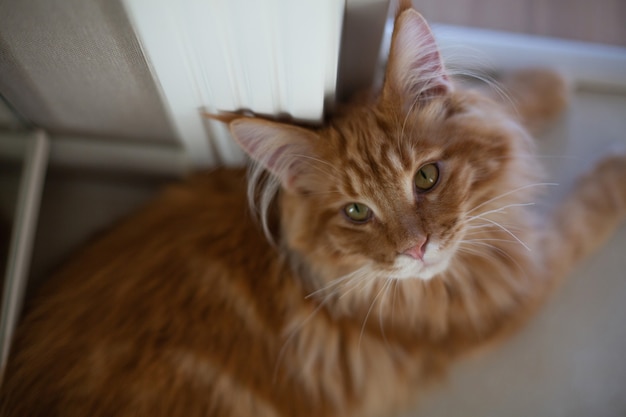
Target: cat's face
column 394, row 194
column 390, row 188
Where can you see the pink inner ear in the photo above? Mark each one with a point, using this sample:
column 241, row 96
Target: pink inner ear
column 415, row 65
column 277, row 147
column 290, row 171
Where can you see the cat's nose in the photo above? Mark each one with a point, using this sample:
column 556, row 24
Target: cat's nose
column 417, row 250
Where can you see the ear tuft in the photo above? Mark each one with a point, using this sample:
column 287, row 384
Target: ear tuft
column 282, row 149
column 415, row 68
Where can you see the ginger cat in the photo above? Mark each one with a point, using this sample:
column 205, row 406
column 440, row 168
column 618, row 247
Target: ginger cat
column 398, row 237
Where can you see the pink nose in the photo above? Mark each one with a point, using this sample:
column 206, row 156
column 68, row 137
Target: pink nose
column 417, row 251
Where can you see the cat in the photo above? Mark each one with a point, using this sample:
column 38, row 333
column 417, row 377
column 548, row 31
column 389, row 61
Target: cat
column 361, row 259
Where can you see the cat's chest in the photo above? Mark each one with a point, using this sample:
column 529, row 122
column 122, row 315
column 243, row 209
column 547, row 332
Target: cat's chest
column 361, row 374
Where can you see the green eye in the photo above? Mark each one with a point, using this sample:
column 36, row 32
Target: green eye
column 357, row 212
column 426, row 177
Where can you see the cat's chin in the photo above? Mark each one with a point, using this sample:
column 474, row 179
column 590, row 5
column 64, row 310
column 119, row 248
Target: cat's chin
column 406, row 267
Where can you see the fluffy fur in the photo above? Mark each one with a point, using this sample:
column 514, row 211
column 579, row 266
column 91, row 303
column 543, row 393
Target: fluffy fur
column 186, row 309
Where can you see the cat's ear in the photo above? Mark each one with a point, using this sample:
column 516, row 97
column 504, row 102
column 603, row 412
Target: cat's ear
column 282, row 149
column 414, row 68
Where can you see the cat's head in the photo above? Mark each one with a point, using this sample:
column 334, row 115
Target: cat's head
column 392, row 186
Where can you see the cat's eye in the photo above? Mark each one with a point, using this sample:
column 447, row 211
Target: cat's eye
column 426, row 177
column 357, row 212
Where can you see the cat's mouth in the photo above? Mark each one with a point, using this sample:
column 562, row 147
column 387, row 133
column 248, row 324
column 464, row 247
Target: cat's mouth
column 406, row 267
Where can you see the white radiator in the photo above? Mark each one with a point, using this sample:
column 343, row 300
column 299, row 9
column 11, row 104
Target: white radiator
column 267, row 56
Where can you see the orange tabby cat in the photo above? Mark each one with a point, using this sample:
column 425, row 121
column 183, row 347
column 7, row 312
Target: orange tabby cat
column 404, row 238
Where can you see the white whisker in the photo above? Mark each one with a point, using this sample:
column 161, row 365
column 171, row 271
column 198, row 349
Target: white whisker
column 499, row 210
column 386, row 287
column 292, row 335
column 507, row 231
column 539, row 184
column 355, row 277
column 482, row 227
column 367, row 316
column 486, row 240
column 484, row 254
column 396, row 283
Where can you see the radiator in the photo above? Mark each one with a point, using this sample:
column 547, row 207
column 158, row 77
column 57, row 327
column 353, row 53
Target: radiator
column 268, row 56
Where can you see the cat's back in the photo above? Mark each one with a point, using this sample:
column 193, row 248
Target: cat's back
column 125, row 325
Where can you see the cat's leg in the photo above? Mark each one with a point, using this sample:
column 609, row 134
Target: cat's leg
column 588, row 216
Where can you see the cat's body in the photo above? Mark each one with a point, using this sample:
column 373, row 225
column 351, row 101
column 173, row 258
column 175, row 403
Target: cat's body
column 185, row 309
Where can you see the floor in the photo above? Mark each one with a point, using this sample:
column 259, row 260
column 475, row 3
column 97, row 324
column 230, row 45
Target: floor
column 67, row 196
